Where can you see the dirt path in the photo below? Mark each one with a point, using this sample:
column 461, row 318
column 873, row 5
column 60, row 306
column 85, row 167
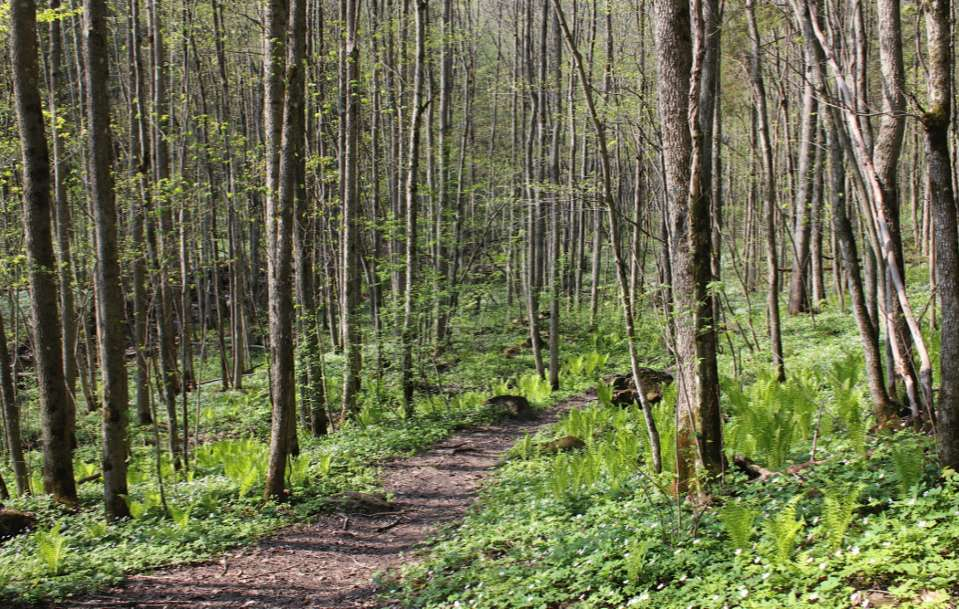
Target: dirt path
column 330, row 563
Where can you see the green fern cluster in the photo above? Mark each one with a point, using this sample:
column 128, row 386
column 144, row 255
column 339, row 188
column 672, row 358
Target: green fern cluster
column 908, row 461
column 52, row 548
column 782, row 532
column 838, row 507
column 738, row 520
column 535, row 389
column 586, row 366
column 635, row 558
column 242, row 461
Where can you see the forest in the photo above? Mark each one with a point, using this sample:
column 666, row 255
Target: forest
column 501, row 304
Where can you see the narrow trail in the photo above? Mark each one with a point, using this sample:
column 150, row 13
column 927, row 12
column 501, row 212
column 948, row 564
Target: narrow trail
column 329, row 563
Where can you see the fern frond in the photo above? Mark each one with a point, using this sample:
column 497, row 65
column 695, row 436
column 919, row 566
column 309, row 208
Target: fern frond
column 839, row 504
column 782, row 531
column 738, row 519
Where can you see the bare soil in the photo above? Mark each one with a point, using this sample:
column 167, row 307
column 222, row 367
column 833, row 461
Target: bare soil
column 330, row 563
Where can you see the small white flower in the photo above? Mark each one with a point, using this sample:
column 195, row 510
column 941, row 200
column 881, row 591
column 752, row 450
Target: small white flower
column 660, row 586
column 682, row 577
column 854, row 550
column 743, row 593
column 739, row 551
column 766, row 575
column 822, row 566
column 813, row 597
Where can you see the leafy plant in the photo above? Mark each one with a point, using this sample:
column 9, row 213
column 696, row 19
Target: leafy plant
column 839, row 504
column 782, row 532
column 297, row 470
column 52, row 548
column 324, row 464
column 180, row 515
column 738, row 520
column 635, row 557
column 535, row 389
column 908, row 462
column 524, row 448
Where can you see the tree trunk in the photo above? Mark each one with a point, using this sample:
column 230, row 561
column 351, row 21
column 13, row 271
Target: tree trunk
column 282, row 117
column 11, row 416
column 58, row 478
column 412, row 184
column 935, row 121
column 769, row 200
column 350, row 237
column 109, row 291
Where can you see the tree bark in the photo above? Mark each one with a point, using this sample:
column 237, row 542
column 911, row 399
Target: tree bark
column 769, row 200
column 283, row 103
column 109, row 292
column 935, row 122
column 58, row 479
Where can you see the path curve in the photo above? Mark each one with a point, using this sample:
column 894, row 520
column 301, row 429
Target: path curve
column 330, row 562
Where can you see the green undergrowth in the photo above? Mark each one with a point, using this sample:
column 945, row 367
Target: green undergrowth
column 869, row 522
column 217, row 504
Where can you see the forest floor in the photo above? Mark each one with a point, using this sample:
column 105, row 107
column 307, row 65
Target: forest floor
column 332, row 562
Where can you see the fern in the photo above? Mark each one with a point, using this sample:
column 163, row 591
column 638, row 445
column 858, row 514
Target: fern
column 325, row 464
column 180, row 516
column 560, row 477
column 907, row 460
column 52, row 548
column 738, row 520
column 298, row 470
column 782, row 532
column 524, row 448
column 604, row 394
column 838, row 506
column 635, row 558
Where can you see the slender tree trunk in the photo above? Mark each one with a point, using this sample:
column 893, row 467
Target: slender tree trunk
column 163, row 250
column 141, row 155
column 11, row 416
column 58, row 479
column 283, row 123
column 935, row 122
column 109, row 292
column 613, row 215
column 769, row 200
column 809, row 127
column 64, row 223
column 412, row 177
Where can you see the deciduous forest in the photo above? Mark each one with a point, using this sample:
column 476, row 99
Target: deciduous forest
column 503, row 304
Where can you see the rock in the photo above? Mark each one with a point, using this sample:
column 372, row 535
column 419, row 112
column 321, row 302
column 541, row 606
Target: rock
column 512, row 406
column 566, row 443
column 13, row 522
column 362, row 503
column 654, row 381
